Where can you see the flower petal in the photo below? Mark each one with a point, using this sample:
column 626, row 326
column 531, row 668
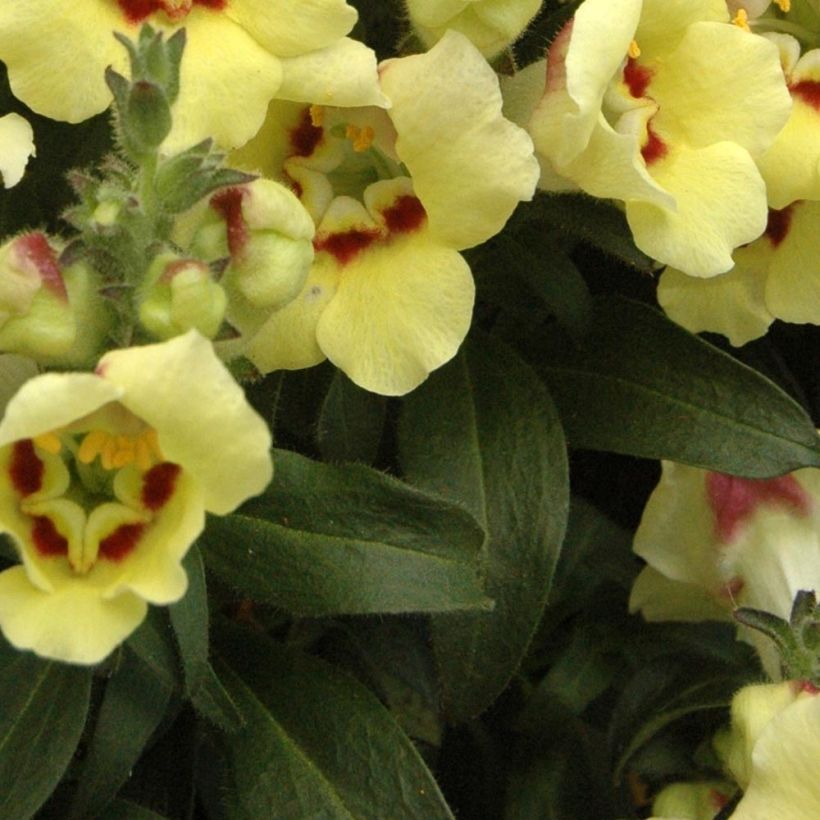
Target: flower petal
column 168, row 385
column 72, row 623
column 16, row 146
column 721, row 204
column 401, row 310
column 470, row 166
column 731, row 303
column 342, row 74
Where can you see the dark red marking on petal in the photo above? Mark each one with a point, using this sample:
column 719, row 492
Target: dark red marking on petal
column 733, row 499
column 809, row 688
column 406, row 214
column 34, row 248
column 158, row 485
column 778, row 224
column 229, row 204
column 305, row 136
column 637, row 77
column 121, row 542
column 26, row 469
column 47, row 541
column 345, row 246
column 136, row 11
column 179, row 265
column 655, row 148
column 808, row 91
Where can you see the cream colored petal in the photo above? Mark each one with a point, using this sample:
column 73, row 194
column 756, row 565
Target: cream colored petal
column 342, row 74
column 203, row 420
column 659, row 598
column 71, row 624
column 676, row 534
column 703, row 100
column 731, row 303
column 53, row 400
column 664, row 22
column 581, row 62
column 287, row 341
column 784, row 766
column 611, row 166
column 154, row 571
column 288, row 28
column 793, row 286
column 16, row 146
column 470, row 166
column 238, row 84
column 721, row 204
column 401, row 311
column 267, row 151
column 56, row 54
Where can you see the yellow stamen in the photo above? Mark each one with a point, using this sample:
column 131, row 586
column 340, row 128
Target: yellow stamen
column 116, row 451
column 634, row 50
column 362, row 138
column 91, row 446
column 783, row 5
column 317, row 115
column 741, row 20
column 50, row 442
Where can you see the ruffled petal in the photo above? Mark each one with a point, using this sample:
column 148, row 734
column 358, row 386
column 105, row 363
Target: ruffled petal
column 237, row 86
column 227, row 450
column 732, row 303
column 342, row 74
column 16, row 146
column 784, row 766
column 721, row 204
column 401, row 310
column 793, row 284
column 287, row 28
column 56, row 54
column 470, row 166
column 53, row 400
column 703, row 100
column 72, row 623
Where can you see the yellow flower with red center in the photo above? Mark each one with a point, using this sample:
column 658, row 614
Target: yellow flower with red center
column 239, row 55
column 650, row 102
column 16, row 146
column 105, row 479
column 395, row 196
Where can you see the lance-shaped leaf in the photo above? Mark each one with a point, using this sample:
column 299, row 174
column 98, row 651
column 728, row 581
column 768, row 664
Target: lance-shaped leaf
column 483, row 432
column 43, row 706
column 328, row 539
column 639, row 384
column 316, row 743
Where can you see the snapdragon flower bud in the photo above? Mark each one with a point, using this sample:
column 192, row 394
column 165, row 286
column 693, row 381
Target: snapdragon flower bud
column 50, row 313
column 180, row 295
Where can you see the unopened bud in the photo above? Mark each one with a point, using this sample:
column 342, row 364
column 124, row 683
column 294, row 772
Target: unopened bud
column 179, row 295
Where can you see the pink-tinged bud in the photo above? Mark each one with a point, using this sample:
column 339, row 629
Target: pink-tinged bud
column 269, row 239
column 180, row 295
column 36, row 318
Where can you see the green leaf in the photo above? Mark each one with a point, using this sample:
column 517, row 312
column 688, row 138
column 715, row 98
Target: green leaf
column 126, row 810
column 350, row 422
column 316, row 743
column 43, row 706
column 189, row 618
column 483, row 432
column 153, row 644
column 641, row 385
column 330, row 539
column 133, row 706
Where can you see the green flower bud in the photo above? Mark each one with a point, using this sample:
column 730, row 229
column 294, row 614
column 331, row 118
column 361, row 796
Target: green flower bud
column 51, row 313
column 179, row 295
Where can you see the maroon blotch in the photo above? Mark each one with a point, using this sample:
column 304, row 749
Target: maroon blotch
column 26, row 468
column 158, row 485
